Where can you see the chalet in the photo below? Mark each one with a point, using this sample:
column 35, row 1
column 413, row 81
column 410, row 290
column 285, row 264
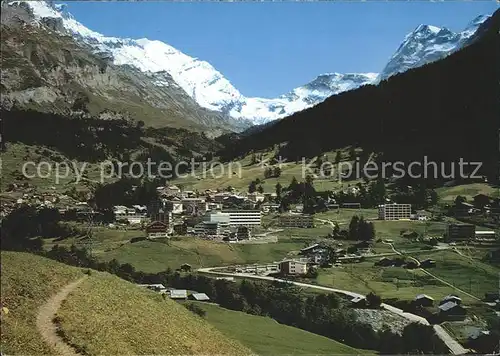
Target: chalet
column 451, row 298
column 423, row 300
column 158, row 229
column 422, row 216
column 188, row 194
column 452, row 311
column 141, row 209
column 214, row 206
column 200, row 297
column 310, row 249
column 129, row 214
column 483, row 342
column 248, row 204
column 410, row 234
column 269, row 207
column 384, row 262
column 234, row 201
column 178, row 294
column 243, row 233
column 491, row 297
column 269, row 195
column 152, row 286
column 412, row 264
column 186, row 267
column 460, row 232
column 340, row 252
column 428, row 263
column 172, row 190
column 174, row 205
column 229, row 279
column 351, row 205
column 255, row 197
column 358, row 302
column 363, row 244
column 220, row 197
column 481, row 200
column 299, row 208
column 180, row 229
column 195, row 206
column 296, row 220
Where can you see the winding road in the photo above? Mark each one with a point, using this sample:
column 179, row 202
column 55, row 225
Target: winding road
column 451, row 343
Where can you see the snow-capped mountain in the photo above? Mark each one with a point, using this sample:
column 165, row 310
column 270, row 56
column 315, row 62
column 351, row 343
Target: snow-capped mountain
column 211, row 90
column 427, row 44
column 200, row 80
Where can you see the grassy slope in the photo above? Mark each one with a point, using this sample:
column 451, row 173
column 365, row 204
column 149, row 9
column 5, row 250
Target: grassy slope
column 391, row 282
column 469, row 275
column 154, row 256
column 104, row 315
column 247, row 172
column 27, row 281
column 448, row 194
column 267, row 337
column 17, row 154
column 131, row 320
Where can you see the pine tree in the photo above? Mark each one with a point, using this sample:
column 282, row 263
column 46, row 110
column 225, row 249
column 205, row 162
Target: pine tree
column 338, row 157
column 352, row 153
column 253, row 159
column 309, row 195
column 319, row 162
column 353, row 228
column 278, row 191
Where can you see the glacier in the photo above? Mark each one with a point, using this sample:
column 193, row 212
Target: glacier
column 427, row 44
column 211, row 90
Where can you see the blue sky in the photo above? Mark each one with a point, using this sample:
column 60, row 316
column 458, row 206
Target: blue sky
column 266, row 49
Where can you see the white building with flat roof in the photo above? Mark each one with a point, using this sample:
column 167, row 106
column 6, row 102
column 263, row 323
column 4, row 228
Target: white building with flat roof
column 218, row 217
column 249, row 218
column 293, row 267
column 485, row 234
column 394, row 212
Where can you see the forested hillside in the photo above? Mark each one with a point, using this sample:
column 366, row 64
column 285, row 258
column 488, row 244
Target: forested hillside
column 444, row 110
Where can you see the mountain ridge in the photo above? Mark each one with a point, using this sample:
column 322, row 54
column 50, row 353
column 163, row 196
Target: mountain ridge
column 439, row 42
column 49, row 71
column 211, row 90
column 445, row 111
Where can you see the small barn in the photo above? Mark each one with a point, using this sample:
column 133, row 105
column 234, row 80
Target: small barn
column 451, row 298
column 423, row 300
column 428, row 263
column 358, row 302
column 200, row 297
column 452, row 311
column 178, row 294
column 412, row 264
column 384, row 262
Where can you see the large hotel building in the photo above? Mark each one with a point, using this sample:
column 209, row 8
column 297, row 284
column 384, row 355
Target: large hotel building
column 249, row 218
column 394, row 212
